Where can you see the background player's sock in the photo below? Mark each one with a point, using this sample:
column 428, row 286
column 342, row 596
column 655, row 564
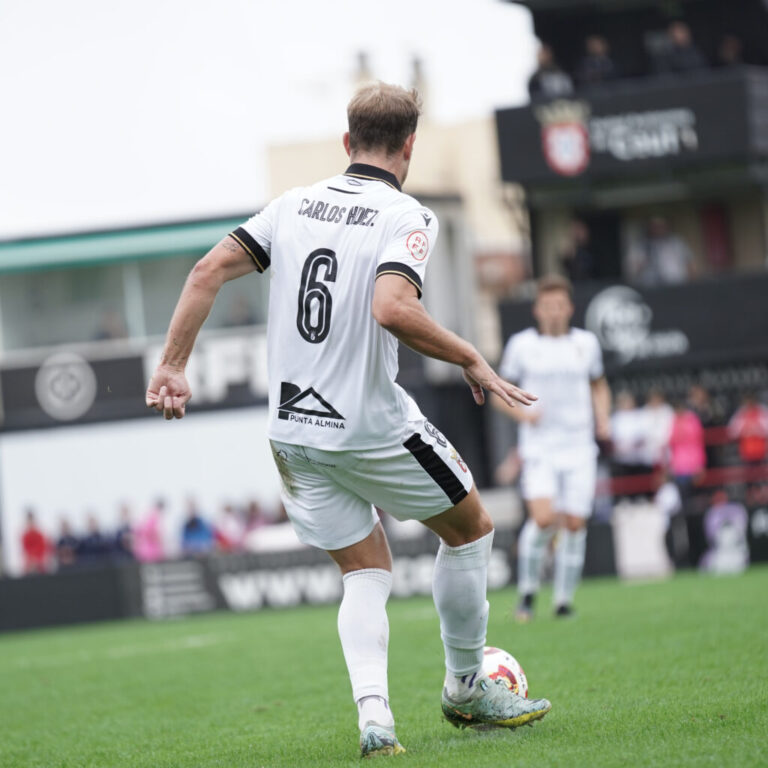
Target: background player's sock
column 531, row 546
column 569, row 560
column 364, row 633
column 459, row 586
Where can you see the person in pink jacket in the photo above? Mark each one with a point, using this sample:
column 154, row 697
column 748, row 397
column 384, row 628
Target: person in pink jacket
column 687, row 457
column 148, row 535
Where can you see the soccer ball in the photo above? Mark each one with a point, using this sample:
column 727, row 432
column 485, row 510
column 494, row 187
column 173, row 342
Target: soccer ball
column 500, row 665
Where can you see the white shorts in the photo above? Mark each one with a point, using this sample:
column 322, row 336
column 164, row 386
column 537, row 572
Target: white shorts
column 330, row 495
column 571, row 486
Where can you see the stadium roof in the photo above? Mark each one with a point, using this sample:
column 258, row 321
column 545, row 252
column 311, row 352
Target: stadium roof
column 129, row 244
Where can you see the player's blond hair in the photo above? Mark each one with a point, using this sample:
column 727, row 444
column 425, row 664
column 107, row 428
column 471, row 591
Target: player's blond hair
column 382, row 116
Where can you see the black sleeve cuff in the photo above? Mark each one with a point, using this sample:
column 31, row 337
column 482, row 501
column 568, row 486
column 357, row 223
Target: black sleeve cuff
column 396, row 268
column 252, row 248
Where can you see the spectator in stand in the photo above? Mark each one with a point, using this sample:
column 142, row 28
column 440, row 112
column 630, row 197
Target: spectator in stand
column 549, row 80
column 658, row 417
column 660, row 257
column 597, row 65
column 680, row 54
column 111, row 326
column 725, row 527
column 35, row 546
column 230, row 530
column 628, row 436
column 668, row 502
column 66, row 545
column 122, row 545
column 94, row 547
column 197, row 536
column 148, row 536
column 730, row 52
column 577, row 260
column 710, row 414
column 687, row 458
column 749, row 426
column 254, row 516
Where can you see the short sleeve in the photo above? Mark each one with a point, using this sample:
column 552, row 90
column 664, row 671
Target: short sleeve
column 408, row 249
column 509, row 367
column 596, row 370
column 255, row 236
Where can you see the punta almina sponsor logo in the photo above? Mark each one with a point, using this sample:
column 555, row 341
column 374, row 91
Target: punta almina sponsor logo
column 621, row 320
column 570, row 136
column 307, row 406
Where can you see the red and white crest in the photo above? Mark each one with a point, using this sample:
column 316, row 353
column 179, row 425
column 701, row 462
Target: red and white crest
column 566, row 147
column 417, row 245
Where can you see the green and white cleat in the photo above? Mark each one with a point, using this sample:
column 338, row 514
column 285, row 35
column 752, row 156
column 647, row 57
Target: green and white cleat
column 379, row 741
column 493, row 705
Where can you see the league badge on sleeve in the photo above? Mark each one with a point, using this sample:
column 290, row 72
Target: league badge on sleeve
column 417, row 245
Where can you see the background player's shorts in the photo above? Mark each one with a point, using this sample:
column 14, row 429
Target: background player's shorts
column 571, row 486
column 330, row 495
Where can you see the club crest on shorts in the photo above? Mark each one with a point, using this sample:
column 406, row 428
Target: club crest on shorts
column 455, row 456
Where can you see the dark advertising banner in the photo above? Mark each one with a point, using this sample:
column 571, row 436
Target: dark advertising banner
column 245, row 582
column 702, row 323
column 77, row 386
column 641, row 126
column 66, row 388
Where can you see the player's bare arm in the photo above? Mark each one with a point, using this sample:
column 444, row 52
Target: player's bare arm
column 601, row 406
column 168, row 391
column 397, row 308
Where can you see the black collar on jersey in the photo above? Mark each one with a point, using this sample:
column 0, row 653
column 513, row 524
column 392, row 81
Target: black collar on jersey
column 364, row 171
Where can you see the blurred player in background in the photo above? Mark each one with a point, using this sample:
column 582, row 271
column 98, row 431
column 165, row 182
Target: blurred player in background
column 564, row 366
column 349, row 256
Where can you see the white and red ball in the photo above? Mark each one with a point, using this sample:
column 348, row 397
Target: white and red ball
column 500, row 665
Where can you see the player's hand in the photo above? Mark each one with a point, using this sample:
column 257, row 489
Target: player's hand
column 480, row 376
column 603, row 431
column 168, row 392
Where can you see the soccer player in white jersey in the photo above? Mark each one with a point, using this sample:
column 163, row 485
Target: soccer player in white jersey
column 347, row 258
column 564, row 366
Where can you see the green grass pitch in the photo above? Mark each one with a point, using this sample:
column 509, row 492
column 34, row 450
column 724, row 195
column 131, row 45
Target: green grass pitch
column 671, row 673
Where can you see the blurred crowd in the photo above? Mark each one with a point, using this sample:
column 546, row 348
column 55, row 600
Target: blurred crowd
column 687, row 437
column 656, row 256
column 147, row 539
column 673, row 52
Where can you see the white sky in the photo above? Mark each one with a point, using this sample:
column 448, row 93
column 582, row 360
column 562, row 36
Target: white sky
column 162, row 109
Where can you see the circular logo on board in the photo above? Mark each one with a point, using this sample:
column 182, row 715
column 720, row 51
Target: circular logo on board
column 65, row 386
column 417, row 245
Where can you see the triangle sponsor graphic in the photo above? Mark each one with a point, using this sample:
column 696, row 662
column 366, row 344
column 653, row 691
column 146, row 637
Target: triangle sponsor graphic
column 426, row 218
column 306, row 402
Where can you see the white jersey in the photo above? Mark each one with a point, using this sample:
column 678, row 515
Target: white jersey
column 332, row 367
column 558, row 369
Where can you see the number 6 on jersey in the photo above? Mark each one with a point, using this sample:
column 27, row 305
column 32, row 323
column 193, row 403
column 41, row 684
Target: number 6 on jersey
column 314, row 321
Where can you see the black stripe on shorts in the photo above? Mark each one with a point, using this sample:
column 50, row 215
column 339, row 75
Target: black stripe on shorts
column 436, row 468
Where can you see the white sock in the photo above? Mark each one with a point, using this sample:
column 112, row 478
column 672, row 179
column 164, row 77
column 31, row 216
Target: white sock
column 459, row 586
column 374, row 709
column 364, row 633
column 569, row 560
column 531, row 546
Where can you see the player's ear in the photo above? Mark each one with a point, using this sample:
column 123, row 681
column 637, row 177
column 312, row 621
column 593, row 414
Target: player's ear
column 408, row 147
column 345, row 140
